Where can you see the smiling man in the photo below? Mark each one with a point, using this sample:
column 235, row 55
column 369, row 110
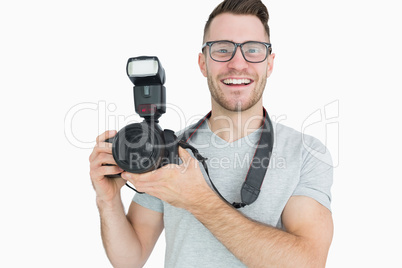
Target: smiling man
column 234, row 83
column 284, row 222
column 236, row 72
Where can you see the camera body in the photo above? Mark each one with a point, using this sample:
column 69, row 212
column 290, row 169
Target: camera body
column 143, row 147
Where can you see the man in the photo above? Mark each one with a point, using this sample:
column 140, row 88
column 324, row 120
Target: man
column 290, row 223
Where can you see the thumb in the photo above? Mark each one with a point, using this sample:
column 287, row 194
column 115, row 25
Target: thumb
column 184, row 155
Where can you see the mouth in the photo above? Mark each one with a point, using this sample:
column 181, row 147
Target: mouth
column 237, row 82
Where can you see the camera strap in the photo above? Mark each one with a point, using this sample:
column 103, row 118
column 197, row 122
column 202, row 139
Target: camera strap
column 257, row 170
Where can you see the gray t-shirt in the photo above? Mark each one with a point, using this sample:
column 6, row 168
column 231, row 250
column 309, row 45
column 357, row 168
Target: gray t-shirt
column 300, row 165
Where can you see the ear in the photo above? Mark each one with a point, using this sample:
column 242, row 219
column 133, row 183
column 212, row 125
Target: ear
column 270, row 66
column 202, row 64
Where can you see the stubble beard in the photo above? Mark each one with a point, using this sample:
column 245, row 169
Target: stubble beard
column 231, row 105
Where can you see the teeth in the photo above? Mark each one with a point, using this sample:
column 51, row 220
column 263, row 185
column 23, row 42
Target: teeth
column 236, row 81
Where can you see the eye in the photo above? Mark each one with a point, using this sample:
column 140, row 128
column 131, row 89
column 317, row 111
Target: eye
column 222, row 50
column 253, row 50
column 222, row 47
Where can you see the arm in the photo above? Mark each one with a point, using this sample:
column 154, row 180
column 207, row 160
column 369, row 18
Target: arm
column 304, row 244
column 308, row 224
column 128, row 240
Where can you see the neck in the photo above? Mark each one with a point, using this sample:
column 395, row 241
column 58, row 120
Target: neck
column 231, row 126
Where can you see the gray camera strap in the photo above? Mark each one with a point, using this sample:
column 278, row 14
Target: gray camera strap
column 256, row 173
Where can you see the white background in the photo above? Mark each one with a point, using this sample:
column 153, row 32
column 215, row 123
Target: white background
column 63, row 82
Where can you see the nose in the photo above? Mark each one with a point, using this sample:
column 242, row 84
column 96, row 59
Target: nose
column 238, row 62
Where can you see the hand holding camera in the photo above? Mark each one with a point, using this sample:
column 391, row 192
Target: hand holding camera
column 102, row 164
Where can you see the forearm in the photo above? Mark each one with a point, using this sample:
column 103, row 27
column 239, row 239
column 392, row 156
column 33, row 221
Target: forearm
column 120, row 241
column 255, row 244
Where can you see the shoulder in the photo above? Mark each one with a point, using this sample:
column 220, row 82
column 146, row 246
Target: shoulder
column 310, row 158
column 182, row 131
column 292, row 140
column 187, row 134
column 288, row 134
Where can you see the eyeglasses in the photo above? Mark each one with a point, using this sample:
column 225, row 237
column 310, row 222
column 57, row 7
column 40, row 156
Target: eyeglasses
column 253, row 51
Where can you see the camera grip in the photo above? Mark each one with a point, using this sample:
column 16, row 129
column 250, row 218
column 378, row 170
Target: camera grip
column 171, row 143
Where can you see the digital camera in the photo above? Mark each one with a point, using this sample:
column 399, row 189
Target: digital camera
column 143, row 147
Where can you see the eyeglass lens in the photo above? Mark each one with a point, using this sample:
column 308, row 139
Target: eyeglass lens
column 252, row 51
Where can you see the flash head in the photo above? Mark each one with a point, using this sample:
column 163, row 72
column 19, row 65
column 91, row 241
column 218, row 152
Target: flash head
column 145, row 70
column 148, row 77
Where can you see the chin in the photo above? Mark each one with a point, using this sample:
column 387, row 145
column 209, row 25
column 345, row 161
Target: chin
column 236, row 107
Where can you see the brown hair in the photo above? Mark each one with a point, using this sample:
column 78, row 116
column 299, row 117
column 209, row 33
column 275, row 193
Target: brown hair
column 241, row 7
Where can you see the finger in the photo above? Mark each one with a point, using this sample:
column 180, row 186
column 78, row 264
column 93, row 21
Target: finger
column 110, row 170
column 184, row 155
column 134, row 178
column 106, row 135
column 103, row 147
column 131, row 177
column 104, row 159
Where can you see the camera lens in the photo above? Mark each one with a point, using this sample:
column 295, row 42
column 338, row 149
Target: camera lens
column 138, row 148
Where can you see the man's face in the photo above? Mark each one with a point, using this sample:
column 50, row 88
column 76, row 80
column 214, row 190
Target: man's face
column 236, row 85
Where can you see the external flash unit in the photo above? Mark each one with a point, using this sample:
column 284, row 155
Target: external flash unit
column 148, row 77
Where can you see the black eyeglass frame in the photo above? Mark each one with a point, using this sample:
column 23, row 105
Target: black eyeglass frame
column 210, row 43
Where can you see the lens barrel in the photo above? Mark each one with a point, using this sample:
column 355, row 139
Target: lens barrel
column 139, row 147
